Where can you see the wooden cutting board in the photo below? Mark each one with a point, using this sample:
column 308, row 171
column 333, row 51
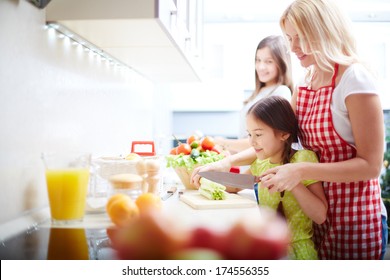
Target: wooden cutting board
column 197, row 201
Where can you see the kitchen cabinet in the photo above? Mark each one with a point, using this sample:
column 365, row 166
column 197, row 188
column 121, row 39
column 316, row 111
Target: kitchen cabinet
column 160, row 39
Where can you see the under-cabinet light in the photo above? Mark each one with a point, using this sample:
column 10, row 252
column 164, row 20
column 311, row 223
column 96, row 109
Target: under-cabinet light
column 90, row 48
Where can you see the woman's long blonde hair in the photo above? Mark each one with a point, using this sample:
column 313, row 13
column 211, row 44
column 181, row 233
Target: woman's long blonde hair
column 281, row 55
column 324, row 31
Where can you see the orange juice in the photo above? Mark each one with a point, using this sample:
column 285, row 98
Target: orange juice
column 67, row 189
column 67, row 244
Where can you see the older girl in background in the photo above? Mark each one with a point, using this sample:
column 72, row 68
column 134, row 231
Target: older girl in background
column 272, row 77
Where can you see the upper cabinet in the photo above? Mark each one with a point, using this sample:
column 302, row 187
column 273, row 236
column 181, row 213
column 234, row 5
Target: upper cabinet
column 161, row 39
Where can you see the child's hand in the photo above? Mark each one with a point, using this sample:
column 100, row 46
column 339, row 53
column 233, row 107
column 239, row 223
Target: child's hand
column 221, row 165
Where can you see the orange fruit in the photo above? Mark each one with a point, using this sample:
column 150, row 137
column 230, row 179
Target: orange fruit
column 148, row 202
column 113, row 198
column 121, row 209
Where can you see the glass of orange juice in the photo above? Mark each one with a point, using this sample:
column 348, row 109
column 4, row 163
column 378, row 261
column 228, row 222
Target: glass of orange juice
column 67, row 180
column 68, row 244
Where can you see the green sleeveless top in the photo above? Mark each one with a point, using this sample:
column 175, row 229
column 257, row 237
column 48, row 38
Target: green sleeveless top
column 301, row 246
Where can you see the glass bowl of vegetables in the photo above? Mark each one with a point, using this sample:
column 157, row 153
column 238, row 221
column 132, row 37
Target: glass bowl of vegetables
column 185, row 157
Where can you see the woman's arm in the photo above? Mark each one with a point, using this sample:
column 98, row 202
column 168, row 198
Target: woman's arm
column 366, row 117
column 233, row 145
column 245, row 157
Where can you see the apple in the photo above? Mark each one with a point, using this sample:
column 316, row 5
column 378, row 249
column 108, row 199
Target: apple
column 152, row 236
column 158, row 236
column 112, row 233
column 263, row 239
column 203, row 237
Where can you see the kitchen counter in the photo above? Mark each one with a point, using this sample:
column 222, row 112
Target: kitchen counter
column 89, row 240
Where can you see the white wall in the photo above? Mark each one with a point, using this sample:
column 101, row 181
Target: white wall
column 229, row 50
column 373, row 41
column 228, row 76
column 54, row 96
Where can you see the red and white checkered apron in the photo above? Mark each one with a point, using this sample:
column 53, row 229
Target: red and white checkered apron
column 353, row 226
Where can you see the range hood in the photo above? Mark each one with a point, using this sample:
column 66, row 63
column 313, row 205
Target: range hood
column 146, row 35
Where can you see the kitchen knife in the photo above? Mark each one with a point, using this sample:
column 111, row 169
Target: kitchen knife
column 169, row 193
column 243, row 181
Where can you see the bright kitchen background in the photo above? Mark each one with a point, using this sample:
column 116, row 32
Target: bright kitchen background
column 231, row 34
column 55, row 97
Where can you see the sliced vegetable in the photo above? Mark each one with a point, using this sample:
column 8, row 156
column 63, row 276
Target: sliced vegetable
column 212, row 190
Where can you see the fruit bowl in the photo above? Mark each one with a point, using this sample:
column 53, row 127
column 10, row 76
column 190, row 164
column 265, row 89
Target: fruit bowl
column 185, row 177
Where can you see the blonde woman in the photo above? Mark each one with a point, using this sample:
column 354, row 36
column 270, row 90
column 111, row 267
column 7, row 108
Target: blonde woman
column 340, row 118
column 272, row 77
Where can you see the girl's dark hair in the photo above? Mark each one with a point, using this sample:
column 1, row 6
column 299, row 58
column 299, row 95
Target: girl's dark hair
column 276, row 112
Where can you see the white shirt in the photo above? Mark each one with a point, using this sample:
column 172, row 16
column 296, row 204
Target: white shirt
column 355, row 80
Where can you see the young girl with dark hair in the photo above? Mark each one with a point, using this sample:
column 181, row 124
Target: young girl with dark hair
column 272, row 129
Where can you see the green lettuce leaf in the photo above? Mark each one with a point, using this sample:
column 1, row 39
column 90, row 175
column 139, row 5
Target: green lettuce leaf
column 189, row 162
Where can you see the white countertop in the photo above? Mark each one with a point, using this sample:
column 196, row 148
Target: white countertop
column 185, row 215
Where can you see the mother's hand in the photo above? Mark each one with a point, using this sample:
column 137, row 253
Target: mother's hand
column 221, row 165
column 281, row 178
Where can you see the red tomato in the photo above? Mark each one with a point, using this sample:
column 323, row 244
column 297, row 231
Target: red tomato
column 216, row 149
column 184, row 149
column 192, row 138
column 173, row 151
column 207, row 143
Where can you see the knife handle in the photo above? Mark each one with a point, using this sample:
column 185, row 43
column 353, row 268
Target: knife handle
column 256, row 189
